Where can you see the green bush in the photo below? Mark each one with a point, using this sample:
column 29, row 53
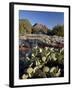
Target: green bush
column 57, row 30
column 24, row 27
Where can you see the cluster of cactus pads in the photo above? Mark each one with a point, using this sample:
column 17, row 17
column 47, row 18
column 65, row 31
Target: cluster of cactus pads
column 44, row 63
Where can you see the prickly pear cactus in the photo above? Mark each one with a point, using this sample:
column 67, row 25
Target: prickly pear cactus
column 44, row 63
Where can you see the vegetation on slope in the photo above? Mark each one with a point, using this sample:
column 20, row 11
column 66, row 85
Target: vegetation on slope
column 24, row 26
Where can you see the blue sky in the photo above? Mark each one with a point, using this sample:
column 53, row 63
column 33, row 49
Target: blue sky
column 50, row 19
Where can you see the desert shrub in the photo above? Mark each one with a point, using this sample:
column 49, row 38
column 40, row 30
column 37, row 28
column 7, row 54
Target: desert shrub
column 58, row 30
column 24, row 26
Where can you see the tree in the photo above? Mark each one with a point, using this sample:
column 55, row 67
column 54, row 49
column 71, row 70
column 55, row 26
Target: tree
column 24, row 26
column 58, row 30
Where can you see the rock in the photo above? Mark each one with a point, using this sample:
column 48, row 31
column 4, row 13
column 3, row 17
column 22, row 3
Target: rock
column 43, row 40
column 39, row 28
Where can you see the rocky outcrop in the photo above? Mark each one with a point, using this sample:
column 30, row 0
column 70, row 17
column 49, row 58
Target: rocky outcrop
column 39, row 28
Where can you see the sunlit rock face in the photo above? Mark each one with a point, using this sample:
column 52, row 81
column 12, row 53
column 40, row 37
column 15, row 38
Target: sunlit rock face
column 39, row 29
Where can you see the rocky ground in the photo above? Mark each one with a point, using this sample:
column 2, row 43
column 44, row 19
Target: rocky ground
column 54, row 41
